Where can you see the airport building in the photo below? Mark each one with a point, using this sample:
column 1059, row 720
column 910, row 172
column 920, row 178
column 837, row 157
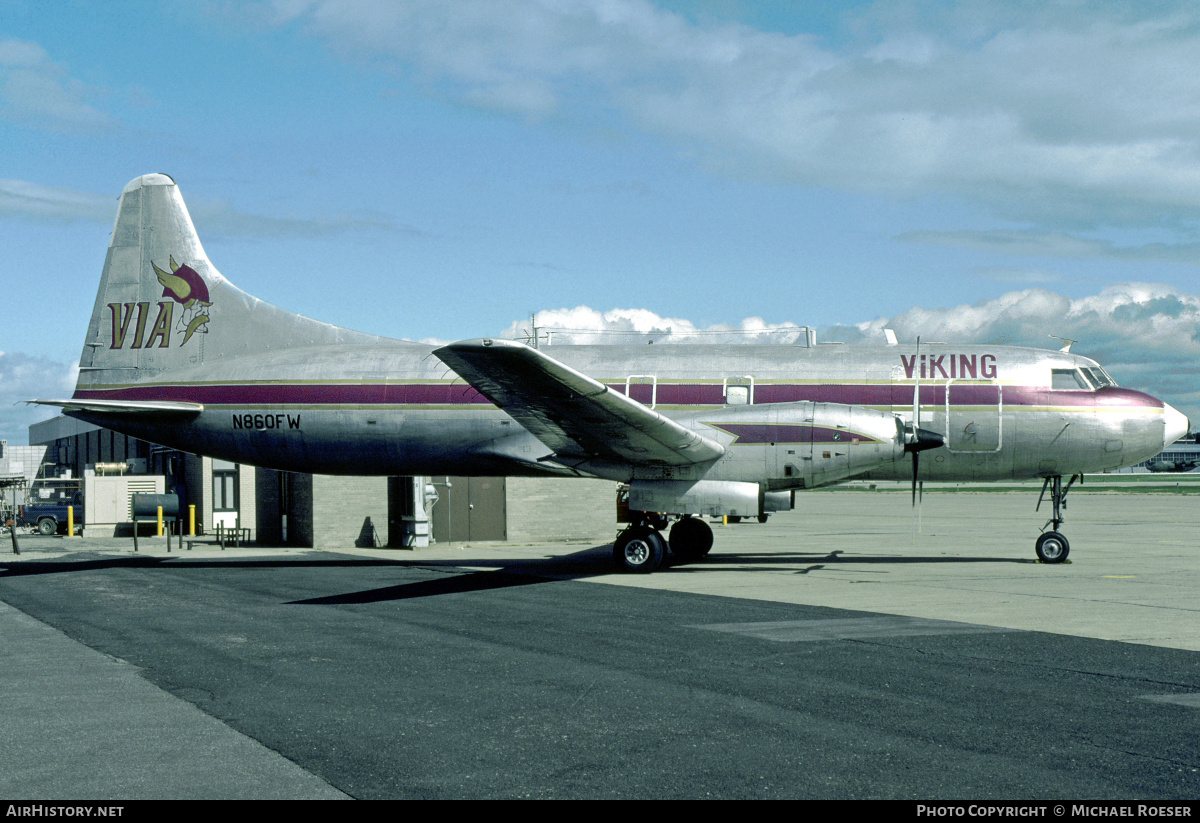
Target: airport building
column 279, row 508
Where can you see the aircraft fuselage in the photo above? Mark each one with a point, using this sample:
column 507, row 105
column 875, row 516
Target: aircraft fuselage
column 394, row 408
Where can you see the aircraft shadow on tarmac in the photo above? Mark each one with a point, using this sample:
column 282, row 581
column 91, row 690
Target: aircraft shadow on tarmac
column 460, row 576
column 596, row 562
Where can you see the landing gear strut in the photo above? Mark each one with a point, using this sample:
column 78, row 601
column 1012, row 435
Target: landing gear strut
column 641, row 548
column 1052, row 547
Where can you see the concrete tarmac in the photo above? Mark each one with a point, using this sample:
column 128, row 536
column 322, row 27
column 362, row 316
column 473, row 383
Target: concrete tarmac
column 81, row 721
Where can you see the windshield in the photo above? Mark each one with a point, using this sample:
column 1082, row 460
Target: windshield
column 1099, row 377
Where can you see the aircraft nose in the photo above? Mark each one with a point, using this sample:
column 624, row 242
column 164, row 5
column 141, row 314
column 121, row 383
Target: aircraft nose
column 1177, row 424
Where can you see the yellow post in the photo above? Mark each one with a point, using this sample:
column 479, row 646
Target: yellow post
column 70, row 521
column 159, row 534
column 192, row 520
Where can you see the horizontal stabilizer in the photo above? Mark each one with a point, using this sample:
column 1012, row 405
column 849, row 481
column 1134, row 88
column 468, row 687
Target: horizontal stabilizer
column 574, row 415
column 124, row 406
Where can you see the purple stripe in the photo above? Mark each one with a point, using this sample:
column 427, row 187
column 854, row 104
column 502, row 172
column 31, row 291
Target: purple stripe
column 669, row 394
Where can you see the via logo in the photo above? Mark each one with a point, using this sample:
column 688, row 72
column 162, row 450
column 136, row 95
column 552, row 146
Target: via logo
column 184, row 287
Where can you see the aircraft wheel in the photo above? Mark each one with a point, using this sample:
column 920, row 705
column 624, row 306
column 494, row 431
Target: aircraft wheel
column 1052, row 547
column 47, row 526
column 639, row 550
column 691, row 539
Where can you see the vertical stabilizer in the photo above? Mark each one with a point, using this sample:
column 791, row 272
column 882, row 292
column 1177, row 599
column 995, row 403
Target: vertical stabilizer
column 162, row 306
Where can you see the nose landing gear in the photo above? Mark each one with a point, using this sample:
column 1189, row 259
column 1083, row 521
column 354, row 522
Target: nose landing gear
column 1051, row 546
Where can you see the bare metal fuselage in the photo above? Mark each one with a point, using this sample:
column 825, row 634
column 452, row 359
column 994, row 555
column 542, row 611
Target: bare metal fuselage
column 394, row 408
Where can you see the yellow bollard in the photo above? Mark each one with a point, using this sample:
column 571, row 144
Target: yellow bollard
column 159, row 534
column 70, row 521
column 192, row 520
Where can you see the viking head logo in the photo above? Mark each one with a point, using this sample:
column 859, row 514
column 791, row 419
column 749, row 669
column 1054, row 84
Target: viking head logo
column 183, row 285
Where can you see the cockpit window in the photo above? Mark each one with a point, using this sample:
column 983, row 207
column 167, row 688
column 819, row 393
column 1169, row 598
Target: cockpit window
column 1099, row 377
column 1068, row 379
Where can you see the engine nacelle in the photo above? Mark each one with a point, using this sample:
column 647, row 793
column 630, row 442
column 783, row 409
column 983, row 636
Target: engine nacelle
column 712, row 498
column 799, row 445
column 779, row 501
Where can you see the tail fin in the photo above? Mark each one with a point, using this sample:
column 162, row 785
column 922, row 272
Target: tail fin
column 162, row 306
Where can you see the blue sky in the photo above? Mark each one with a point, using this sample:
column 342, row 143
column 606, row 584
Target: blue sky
column 438, row 170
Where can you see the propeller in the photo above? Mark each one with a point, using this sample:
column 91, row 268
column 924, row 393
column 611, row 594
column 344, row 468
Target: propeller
column 917, row 439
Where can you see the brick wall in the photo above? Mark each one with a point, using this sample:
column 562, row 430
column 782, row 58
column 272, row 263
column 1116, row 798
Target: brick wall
column 552, row 509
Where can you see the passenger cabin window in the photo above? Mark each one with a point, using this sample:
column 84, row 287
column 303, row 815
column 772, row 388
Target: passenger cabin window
column 1067, row 379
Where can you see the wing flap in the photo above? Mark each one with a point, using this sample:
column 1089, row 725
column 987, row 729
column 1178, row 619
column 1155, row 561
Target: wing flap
column 575, row 416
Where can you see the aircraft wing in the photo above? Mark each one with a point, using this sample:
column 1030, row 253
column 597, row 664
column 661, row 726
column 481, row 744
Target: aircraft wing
column 574, row 415
column 124, row 406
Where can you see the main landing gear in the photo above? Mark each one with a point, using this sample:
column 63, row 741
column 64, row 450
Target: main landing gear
column 1051, row 546
column 641, row 548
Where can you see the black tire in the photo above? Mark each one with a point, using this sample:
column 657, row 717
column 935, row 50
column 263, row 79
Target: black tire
column 47, row 525
column 1052, row 547
column 639, row 550
column 691, row 539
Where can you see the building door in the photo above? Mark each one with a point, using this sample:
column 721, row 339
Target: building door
column 469, row 509
column 224, row 493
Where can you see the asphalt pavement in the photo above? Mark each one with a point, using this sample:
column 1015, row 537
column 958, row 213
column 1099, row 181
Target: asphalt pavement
column 838, row 651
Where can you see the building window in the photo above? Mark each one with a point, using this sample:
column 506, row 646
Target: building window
column 224, row 497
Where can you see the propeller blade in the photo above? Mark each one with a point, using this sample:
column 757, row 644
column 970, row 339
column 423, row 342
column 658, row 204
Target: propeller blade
column 915, row 455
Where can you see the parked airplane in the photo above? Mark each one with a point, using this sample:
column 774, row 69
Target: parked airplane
column 1172, row 465
column 177, row 355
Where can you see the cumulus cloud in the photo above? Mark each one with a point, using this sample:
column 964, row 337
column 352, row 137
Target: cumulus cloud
column 582, row 325
column 26, row 377
column 1080, row 112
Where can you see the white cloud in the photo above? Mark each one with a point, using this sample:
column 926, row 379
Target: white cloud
column 1040, row 243
column 1087, row 112
column 582, row 325
column 34, row 90
column 26, row 377
column 21, row 198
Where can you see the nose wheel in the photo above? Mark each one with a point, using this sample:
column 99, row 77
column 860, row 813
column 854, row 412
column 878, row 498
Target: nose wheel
column 1052, row 546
